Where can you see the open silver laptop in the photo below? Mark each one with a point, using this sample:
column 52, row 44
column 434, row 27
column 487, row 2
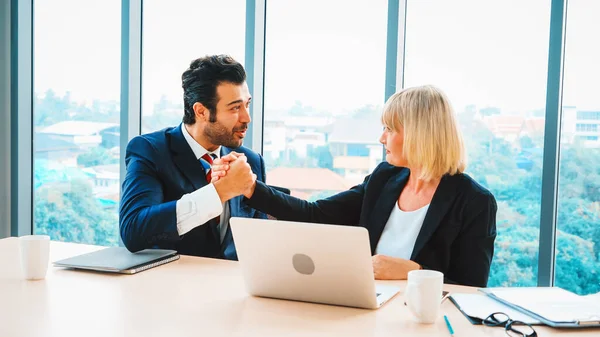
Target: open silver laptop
column 308, row 262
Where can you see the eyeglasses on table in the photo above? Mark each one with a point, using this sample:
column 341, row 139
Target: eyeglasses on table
column 511, row 327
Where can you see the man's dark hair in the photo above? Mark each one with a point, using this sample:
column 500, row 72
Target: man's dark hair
column 200, row 83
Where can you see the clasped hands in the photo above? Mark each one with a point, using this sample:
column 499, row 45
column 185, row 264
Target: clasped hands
column 232, row 176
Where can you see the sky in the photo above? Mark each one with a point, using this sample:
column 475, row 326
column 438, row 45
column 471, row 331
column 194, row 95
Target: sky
column 329, row 54
column 495, row 53
column 77, row 48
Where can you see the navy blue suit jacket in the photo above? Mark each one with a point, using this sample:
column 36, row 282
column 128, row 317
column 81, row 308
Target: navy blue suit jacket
column 161, row 168
column 457, row 236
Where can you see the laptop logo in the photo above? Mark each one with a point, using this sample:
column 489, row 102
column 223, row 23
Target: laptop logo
column 303, row 264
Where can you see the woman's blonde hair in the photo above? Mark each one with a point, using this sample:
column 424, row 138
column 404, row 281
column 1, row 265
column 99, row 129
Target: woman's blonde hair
column 432, row 140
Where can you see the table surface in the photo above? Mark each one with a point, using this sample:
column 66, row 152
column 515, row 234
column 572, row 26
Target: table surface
column 194, row 296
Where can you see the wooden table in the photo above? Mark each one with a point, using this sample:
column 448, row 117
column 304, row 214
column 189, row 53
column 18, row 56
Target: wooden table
column 192, row 297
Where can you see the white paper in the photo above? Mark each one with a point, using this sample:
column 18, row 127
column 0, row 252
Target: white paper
column 595, row 298
column 552, row 303
column 481, row 306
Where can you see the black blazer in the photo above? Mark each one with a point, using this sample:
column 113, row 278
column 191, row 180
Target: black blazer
column 457, row 236
column 161, row 168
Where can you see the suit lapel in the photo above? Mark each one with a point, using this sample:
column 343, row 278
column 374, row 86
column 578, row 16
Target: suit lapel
column 235, row 204
column 184, row 158
column 440, row 204
column 225, row 151
column 384, row 205
column 235, row 210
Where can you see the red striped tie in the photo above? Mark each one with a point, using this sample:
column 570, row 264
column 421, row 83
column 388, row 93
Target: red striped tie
column 209, row 159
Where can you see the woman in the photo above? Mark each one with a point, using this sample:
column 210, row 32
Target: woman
column 421, row 210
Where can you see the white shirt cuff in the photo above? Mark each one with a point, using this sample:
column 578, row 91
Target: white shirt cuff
column 196, row 208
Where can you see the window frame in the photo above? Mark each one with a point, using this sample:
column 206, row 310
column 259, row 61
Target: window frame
column 20, row 92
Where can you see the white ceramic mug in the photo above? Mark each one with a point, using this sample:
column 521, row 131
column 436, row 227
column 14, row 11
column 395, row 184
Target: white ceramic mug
column 423, row 294
column 35, row 251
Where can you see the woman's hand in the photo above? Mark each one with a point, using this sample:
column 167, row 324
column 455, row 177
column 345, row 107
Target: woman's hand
column 392, row 268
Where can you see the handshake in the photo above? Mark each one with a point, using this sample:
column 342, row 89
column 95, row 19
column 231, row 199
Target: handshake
column 232, row 176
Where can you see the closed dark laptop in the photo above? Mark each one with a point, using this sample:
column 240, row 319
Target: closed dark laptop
column 119, row 260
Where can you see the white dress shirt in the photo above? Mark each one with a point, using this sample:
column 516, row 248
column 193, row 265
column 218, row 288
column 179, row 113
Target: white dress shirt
column 196, row 208
column 400, row 232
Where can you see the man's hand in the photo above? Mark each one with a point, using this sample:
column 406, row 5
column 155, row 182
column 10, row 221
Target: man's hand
column 240, row 180
column 221, row 165
column 392, row 268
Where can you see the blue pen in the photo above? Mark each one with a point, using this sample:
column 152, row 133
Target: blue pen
column 449, row 326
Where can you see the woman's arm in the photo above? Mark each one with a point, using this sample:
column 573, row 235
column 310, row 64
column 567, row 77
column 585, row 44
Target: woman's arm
column 343, row 208
column 392, row 268
column 472, row 252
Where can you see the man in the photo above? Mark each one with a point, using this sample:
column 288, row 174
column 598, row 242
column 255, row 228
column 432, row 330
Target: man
column 167, row 199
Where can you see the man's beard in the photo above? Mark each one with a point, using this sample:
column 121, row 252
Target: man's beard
column 217, row 134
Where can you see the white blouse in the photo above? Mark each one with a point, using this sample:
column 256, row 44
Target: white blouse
column 400, row 232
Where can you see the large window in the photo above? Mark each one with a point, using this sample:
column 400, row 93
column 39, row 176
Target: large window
column 323, row 95
column 76, row 120
column 324, row 90
column 174, row 34
column 578, row 235
column 491, row 60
